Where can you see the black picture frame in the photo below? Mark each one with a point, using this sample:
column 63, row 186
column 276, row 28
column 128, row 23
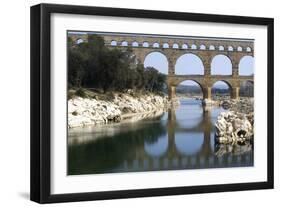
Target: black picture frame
column 41, row 98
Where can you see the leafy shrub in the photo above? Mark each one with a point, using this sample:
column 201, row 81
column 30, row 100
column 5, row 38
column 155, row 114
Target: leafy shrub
column 81, row 93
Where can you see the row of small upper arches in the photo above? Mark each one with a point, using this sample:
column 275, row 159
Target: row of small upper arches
column 183, row 46
column 177, row 46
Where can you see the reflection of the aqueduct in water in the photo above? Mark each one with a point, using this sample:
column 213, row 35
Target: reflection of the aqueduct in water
column 170, row 143
column 172, row 156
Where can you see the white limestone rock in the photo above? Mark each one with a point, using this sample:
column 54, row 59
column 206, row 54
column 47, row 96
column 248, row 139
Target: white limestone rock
column 233, row 127
column 90, row 111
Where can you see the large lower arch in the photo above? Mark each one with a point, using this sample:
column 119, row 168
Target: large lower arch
column 190, row 88
column 189, row 64
column 221, row 89
column 202, row 87
column 157, row 60
column 246, row 66
column 221, row 65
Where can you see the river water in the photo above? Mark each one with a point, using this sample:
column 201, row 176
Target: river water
column 180, row 138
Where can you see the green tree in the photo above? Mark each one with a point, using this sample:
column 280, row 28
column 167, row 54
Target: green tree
column 92, row 65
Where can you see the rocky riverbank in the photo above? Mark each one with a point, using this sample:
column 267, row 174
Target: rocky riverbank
column 92, row 110
column 243, row 105
column 223, row 149
column 236, row 126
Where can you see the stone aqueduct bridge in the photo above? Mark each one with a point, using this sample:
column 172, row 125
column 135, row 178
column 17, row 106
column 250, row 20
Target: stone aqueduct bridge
column 174, row 47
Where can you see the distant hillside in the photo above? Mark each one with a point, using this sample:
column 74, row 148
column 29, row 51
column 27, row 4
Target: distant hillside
column 183, row 89
column 193, row 89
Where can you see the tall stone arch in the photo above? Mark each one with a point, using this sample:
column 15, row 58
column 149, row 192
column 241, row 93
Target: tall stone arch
column 196, row 56
column 146, row 55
